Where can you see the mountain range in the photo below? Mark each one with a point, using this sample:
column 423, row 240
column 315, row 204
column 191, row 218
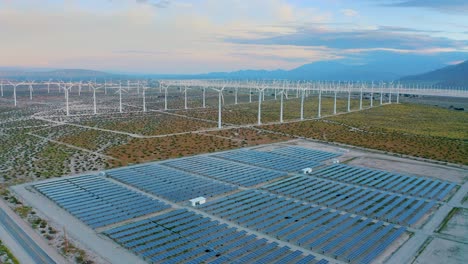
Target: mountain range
column 453, row 75
column 383, row 66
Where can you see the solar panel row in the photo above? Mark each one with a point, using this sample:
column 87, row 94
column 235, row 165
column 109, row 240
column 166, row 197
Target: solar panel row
column 223, row 170
column 408, row 185
column 267, row 160
column 181, row 236
column 388, row 206
column 304, row 153
column 169, row 183
column 97, row 201
column 293, row 221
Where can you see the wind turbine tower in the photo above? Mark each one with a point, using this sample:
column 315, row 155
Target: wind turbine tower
column 319, row 102
column 398, row 94
column 48, row 86
column 220, row 104
column 302, row 103
column 281, row 94
column 381, row 92
column 120, row 97
column 105, row 86
column 236, row 91
column 165, row 86
column 390, row 92
column 67, row 91
column 14, row 91
column 349, row 97
column 143, row 94
column 185, row 96
column 334, row 99
column 80, row 85
column 30, row 89
column 90, row 84
column 360, row 96
column 204, row 96
column 260, row 96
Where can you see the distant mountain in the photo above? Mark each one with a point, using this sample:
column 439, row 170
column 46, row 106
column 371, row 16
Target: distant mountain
column 378, row 65
column 450, row 75
column 63, row 74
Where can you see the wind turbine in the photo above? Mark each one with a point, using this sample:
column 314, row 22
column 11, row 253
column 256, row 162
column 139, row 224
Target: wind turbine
column 14, row 90
column 185, row 96
column 297, row 89
column 398, row 93
column 381, row 92
column 236, row 91
column 105, row 86
column 165, row 86
column 220, row 103
column 360, row 96
column 334, row 99
column 282, row 94
column 319, row 102
column 260, row 96
column 204, row 96
column 67, row 89
column 372, row 95
column 79, row 87
column 120, row 96
column 302, row 102
column 143, row 86
column 274, row 89
column 349, row 96
column 48, row 86
column 30, row 89
column 1, row 87
column 90, row 84
column 390, row 92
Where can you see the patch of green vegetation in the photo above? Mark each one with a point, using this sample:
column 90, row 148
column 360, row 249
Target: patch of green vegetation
column 393, row 128
column 23, row 211
column 6, row 256
column 410, row 118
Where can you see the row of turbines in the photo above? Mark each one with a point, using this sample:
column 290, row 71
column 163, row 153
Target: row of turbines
column 282, row 89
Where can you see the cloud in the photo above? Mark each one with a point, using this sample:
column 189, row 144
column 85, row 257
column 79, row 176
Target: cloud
column 349, row 12
column 194, row 36
column 178, row 40
column 155, row 3
column 457, row 6
column 382, row 38
column 406, row 29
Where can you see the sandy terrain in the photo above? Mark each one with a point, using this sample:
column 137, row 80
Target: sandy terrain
column 443, row 251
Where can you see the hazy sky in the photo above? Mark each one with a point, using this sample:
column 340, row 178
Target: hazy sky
column 195, row 36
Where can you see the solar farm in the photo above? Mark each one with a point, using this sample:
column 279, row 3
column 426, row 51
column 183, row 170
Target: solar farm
column 260, row 207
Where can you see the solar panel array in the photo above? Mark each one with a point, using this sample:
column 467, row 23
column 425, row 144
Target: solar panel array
column 304, row 153
column 323, row 212
column 364, row 201
column 408, row 185
column 169, row 183
column 97, row 201
column 181, row 236
column 338, row 234
column 223, row 170
column 267, row 160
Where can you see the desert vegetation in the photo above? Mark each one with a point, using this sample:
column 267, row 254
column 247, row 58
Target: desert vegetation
column 415, row 130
